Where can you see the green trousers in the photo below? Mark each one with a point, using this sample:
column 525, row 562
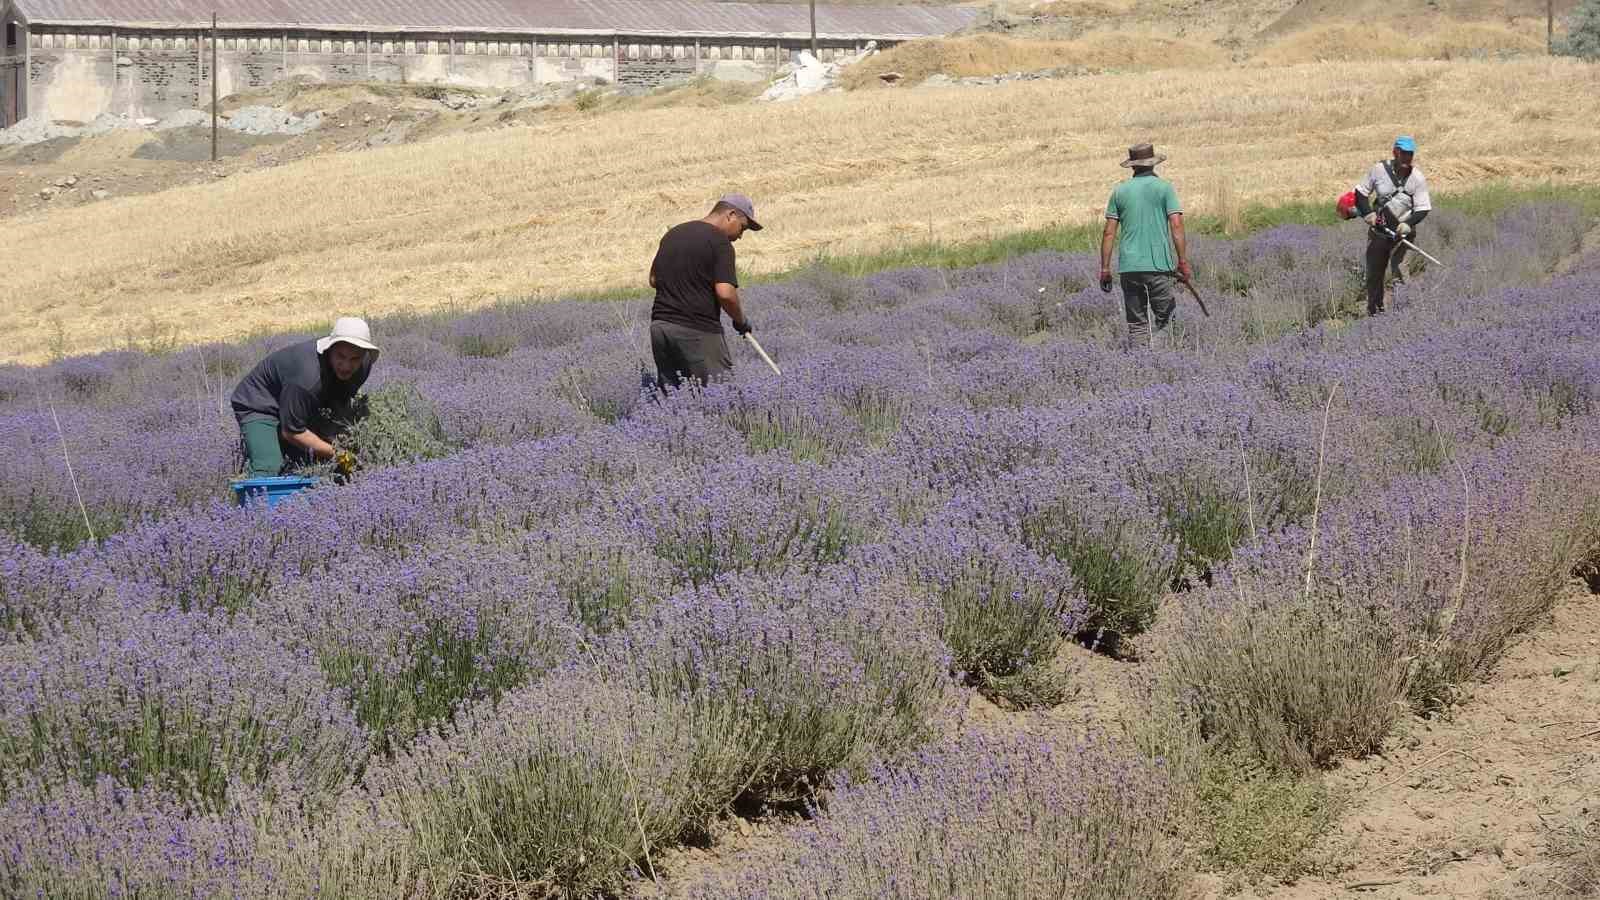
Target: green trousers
column 263, row 448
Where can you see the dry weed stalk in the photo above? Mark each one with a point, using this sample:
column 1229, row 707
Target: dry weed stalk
column 72, row 476
column 1316, row 505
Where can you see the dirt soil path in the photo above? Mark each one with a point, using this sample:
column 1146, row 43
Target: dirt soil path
column 1482, row 803
column 1477, row 804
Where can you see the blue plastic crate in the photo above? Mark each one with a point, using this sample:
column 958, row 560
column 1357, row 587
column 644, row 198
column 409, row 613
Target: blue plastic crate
column 270, row 491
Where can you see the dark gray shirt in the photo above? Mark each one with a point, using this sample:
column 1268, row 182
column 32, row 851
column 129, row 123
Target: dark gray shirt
column 291, row 385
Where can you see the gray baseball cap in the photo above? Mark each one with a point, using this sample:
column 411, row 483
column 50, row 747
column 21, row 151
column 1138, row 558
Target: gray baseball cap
column 744, row 206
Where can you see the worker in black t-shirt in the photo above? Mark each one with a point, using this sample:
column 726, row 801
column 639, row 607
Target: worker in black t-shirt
column 694, row 279
column 278, row 402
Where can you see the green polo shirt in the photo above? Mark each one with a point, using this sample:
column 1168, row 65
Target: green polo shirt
column 1144, row 241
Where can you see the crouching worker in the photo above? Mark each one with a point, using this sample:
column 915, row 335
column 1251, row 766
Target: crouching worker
column 695, row 282
column 1393, row 200
column 278, row 404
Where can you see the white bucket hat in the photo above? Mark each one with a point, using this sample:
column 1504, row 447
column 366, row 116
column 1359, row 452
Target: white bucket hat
column 348, row 330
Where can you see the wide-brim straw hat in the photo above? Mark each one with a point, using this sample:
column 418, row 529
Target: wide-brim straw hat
column 349, row 330
column 1142, row 155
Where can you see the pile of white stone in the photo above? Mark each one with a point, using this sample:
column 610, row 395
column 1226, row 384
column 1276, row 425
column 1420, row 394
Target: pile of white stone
column 809, row 75
column 257, row 120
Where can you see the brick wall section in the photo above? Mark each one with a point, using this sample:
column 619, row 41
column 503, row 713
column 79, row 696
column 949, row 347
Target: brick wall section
column 164, row 81
column 651, row 73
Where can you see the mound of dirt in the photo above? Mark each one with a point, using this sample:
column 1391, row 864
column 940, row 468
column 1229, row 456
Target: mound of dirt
column 989, row 54
column 1312, row 14
column 1354, row 43
column 194, row 144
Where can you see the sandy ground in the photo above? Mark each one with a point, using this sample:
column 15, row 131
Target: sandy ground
column 134, row 162
column 1476, row 805
column 1483, row 803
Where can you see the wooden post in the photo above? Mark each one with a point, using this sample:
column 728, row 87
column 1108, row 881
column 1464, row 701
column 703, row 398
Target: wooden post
column 213, row 87
column 23, row 79
column 369, row 56
column 814, row 29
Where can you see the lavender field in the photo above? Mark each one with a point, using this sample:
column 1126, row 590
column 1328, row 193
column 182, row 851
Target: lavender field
column 603, row 618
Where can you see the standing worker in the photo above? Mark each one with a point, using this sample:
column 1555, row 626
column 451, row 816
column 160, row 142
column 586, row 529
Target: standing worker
column 695, row 282
column 1393, row 200
column 1144, row 222
column 278, row 403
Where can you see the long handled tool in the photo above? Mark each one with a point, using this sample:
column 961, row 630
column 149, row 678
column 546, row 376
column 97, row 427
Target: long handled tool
column 1190, row 285
column 1395, row 236
column 1192, row 292
column 757, row 345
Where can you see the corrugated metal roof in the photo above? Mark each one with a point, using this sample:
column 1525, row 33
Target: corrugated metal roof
column 678, row 17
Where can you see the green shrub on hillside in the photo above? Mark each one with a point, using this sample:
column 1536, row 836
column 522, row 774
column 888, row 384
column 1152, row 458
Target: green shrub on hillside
column 1583, row 32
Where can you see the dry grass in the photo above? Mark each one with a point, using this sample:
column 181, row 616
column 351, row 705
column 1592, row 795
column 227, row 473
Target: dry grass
column 988, row 54
column 1083, row 8
column 1355, row 43
column 578, row 204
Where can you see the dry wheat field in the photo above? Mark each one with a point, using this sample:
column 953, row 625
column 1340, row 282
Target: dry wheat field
column 577, row 205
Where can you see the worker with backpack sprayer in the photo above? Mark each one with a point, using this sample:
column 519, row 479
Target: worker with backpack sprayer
column 1393, row 200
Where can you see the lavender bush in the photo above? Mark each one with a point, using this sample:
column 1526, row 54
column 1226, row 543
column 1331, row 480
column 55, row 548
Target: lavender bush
column 642, row 606
column 1304, row 651
column 983, row 817
column 184, row 702
column 821, row 672
column 451, row 624
column 567, row 785
column 108, row 840
column 1005, row 609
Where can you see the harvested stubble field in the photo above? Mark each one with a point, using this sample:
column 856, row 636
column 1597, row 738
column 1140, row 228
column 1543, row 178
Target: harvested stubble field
column 600, row 622
column 577, row 206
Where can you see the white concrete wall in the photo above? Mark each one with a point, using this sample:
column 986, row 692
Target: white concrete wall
column 69, row 84
column 76, row 74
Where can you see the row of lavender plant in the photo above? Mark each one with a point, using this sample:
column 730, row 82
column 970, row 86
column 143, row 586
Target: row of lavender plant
column 1307, row 645
column 147, row 435
column 797, row 566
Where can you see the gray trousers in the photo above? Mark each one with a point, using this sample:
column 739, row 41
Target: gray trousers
column 681, row 351
column 1147, row 296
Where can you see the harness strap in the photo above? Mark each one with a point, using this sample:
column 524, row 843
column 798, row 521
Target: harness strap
column 1398, row 185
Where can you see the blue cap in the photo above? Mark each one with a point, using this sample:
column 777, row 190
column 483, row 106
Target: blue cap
column 1406, row 143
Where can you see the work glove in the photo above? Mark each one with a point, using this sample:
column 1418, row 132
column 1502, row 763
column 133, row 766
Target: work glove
column 1404, row 230
column 1105, row 280
column 345, row 462
column 743, row 326
column 1371, row 219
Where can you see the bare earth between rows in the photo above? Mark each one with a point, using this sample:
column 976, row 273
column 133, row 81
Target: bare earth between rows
column 1472, row 804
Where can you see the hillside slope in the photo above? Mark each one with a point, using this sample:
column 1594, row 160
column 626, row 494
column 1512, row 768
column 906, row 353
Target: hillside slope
column 578, row 204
